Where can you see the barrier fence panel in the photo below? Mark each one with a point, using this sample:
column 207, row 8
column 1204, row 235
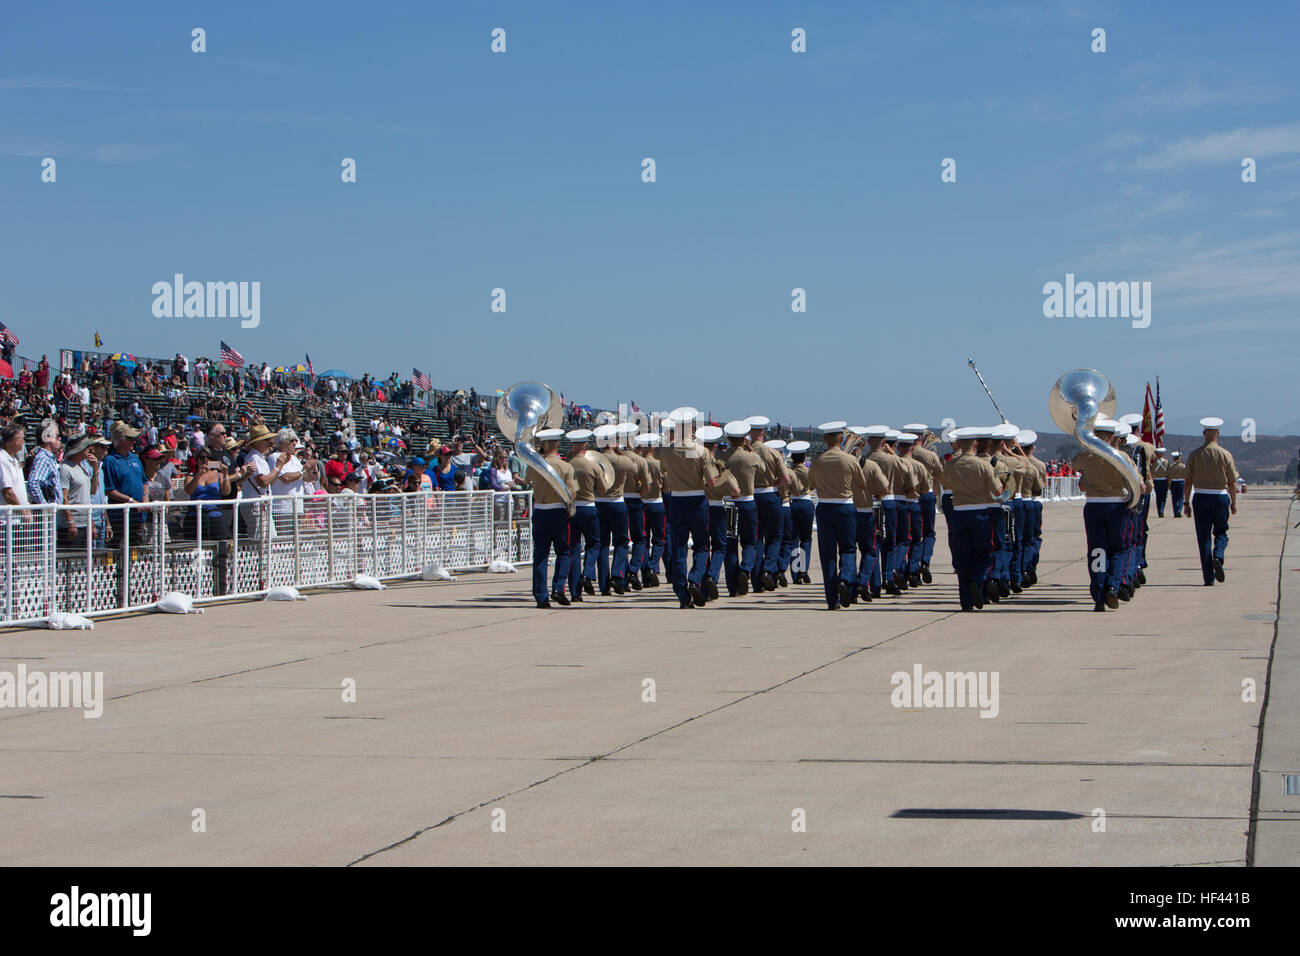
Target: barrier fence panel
column 99, row 559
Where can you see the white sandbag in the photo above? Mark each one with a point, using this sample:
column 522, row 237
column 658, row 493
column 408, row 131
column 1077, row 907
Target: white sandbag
column 502, row 566
column 366, row 583
column 433, row 571
column 174, row 602
column 62, row 621
column 284, row 593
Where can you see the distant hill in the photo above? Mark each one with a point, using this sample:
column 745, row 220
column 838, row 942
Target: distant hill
column 1268, row 458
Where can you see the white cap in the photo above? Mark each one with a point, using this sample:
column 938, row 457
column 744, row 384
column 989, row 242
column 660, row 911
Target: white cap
column 666, row 423
column 603, row 433
column 684, row 414
column 1133, row 418
column 829, row 428
column 776, row 443
column 875, row 431
column 965, row 433
column 796, row 447
column 907, row 438
column 1211, row 422
column 1026, row 437
column 1123, row 429
column 1005, row 430
column 736, row 429
column 549, row 434
column 917, row 427
column 708, row 433
column 757, row 421
column 1161, row 448
column 579, row 434
column 858, row 429
column 1105, row 425
column 648, row 438
column 627, row 428
column 1131, row 440
column 1176, row 454
column 891, row 434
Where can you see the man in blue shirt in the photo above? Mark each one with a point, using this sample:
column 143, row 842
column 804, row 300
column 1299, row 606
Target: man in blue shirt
column 124, row 480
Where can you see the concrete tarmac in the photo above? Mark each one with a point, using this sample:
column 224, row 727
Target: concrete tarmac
column 485, row 731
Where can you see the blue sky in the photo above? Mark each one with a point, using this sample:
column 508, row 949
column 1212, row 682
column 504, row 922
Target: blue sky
column 775, row 170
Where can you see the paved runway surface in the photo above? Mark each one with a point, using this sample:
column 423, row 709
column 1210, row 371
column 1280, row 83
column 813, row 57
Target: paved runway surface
column 470, row 701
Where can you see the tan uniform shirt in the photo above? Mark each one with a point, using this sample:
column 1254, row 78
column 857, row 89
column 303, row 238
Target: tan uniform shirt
column 1160, row 468
column 726, row 486
column 1177, row 470
column 1101, row 477
column 543, row 493
column 1144, row 456
column 786, row 488
column 591, row 482
column 875, row 485
column 637, row 475
column 971, row 479
column 933, row 464
column 799, row 486
column 835, row 474
column 652, row 484
column 1000, row 470
column 1017, row 473
column 626, row 472
column 920, row 474
column 887, row 464
column 747, row 467
column 1035, row 477
column 687, row 466
column 1211, row 468
column 773, row 466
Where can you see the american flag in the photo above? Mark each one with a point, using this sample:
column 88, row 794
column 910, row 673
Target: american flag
column 7, row 336
column 421, row 380
column 636, row 409
column 1160, row 417
column 310, row 371
column 231, row 357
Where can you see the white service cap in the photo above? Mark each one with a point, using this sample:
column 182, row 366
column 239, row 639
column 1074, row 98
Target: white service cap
column 1105, row 425
column 603, row 433
column 757, row 421
column 907, row 438
column 1026, row 437
column 578, row 434
column 829, row 428
column 550, row 434
column 708, row 433
column 736, row 429
column 684, row 414
column 776, row 443
column 1131, row 439
column 1005, row 430
column 1123, row 429
column 1211, row 422
column 876, row 431
column 891, row 434
column 1133, row 418
column 795, row 447
column 858, row 429
column 917, row 427
column 648, row 438
column 627, row 428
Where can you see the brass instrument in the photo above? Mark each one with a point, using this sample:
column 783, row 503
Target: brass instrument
column 526, row 408
column 1077, row 400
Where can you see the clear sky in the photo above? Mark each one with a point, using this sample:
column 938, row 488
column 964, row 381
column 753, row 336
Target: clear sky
column 775, row 170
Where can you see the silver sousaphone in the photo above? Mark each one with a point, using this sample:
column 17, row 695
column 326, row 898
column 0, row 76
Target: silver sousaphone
column 1078, row 399
column 525, row 409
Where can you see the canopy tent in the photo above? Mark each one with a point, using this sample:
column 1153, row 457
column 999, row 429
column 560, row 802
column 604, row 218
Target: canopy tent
column 334, row 373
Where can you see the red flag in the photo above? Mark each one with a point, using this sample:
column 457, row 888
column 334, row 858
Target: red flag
column 1149, row 418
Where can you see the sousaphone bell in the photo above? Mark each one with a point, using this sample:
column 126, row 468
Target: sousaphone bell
column 525, row 409
column 1077, row 400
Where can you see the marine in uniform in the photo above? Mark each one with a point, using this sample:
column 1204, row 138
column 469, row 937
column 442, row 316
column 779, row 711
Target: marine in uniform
column 652, row 503
column 1104, row 518
column 911, row 549
column 748, row 468
column 1017, row 483
column 887, row 531
column 1160, row 479
column 1033, row 484
column 987, row 447
column 801, row 510
column 767, row 498
column 1144, row 454
column 613, row 513
column 551, row 522
column 787, row 520
column 875, row 487
column 722, row 544
column 584, row 524
column 923, row 453
column 688, row 471
column 1211, row 497
column 974, row 489
column 637, row 476
column 834, row 477
column 1177, row 481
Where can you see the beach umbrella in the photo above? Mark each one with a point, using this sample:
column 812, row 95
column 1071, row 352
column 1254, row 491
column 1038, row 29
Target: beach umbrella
column 334, row 373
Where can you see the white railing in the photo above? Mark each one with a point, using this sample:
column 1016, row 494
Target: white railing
column 216, row 550
column 1062, row 488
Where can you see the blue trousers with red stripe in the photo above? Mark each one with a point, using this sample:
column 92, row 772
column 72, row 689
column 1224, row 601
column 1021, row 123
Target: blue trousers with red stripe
column 550, row 531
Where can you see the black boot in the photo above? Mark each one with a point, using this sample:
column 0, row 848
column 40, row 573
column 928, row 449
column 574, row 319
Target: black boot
column 742, row 583
column 926, row 576
column 559, row 598
column 587, row 586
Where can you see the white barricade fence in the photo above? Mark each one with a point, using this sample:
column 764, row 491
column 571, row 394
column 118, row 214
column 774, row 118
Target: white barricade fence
column 101, row 559
column 1062, row 488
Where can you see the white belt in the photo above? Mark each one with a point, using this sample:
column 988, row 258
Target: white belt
column 803, row 497
column 627, row 495
column 891, row 498
column 718, row 502
column 836, row 501
column 970, row 507
column 785, row 504
column 683, row 494
column 652, row 501
column 1207, row 491
column 1016, row 496
column 549, row 507
column 1113, row 499
column 764, row 491
column 914, row 501
column 586, row 504
column 618, row 500
column 741, row 498
column 865, row 511
column 947, row 494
